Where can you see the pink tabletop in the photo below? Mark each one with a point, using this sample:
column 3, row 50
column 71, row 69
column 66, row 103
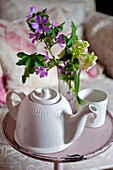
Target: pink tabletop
column 92, row 142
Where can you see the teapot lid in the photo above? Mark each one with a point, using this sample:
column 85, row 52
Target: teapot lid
column 45, row 96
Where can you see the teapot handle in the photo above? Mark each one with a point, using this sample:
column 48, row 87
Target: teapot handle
column 13, row 110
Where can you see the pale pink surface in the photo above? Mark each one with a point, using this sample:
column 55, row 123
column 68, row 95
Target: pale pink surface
column 92, row 142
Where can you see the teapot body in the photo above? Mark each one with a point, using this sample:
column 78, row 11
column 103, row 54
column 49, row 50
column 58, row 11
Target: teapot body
column 44, row 120
column 41, row 127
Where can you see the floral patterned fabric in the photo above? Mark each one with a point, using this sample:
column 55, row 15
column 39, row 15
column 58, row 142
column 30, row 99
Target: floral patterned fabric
column 3, row 87
column 14, row 37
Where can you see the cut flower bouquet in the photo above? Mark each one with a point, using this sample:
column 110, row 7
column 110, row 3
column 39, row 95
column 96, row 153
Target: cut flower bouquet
column 70, row 61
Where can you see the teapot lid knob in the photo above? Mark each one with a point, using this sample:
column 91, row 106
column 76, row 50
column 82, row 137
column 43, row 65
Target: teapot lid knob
column 45, row 96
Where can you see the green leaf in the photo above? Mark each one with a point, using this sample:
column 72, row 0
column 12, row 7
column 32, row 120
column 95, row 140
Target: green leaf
column 30, row 61
column 38, row 60
column 60, row 27
column 26, row 74
column 55, row 32
column 22, row 61
column 69, row 43
column 74, row 36
column 21, row 54
column 49, row 32
column 76, row 85
column 65, row 39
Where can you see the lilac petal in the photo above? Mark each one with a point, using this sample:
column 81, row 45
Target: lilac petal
column 29, row 15
column 40, row 71
column 45, row 28
column 37, row 72
column 31, row 35
column 45, row 10
column 47, row 57
column 62, row 41
column 53, row 23
column 44, row 20
column 38, row 30
column 28, row 19
column 33, row 41
column 35, row 25
column 57, row 40
column 37, row 35
column 36, row 67
column 65, row 63
column 61, row 45
column 37, row 19
column 42, row 68
column 32, row 9
column 41, row 74
column 46, row 73
column 61, row 68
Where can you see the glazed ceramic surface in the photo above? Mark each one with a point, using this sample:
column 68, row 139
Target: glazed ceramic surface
column 44, row 120
column 99, row 99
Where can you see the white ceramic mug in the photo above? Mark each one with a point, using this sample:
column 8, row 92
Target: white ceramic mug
column 99, row 99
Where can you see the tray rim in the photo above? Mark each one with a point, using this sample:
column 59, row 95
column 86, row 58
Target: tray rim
column 44, row 157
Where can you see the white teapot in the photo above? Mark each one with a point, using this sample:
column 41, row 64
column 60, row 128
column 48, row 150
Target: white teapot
column 45, row 122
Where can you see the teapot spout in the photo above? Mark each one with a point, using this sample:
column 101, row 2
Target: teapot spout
column 74, row 124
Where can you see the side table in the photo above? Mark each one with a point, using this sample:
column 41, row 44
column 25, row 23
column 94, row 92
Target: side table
column 91, row 143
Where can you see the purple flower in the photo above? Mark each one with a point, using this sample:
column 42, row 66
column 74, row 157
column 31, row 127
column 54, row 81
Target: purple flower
column 32, row 9
column 39, row 25
column 47, row 57
column 60, row 40
column 35, row 36
column 53, row 23
column 61, row 68
column 40, row 71
column 65, row 63
column 45, row 10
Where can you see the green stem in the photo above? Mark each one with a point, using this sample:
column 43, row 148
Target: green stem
column 49, row 50
column 51, row 53
column 76, row 86
column 35, row 46
column 68, row 34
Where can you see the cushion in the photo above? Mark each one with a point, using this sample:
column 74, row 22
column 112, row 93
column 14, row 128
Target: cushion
column 61, row 11
column 3, row 87
column 14, row 38
column 99, row 33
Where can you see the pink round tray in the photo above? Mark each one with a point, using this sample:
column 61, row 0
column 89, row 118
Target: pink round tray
column 92, row 142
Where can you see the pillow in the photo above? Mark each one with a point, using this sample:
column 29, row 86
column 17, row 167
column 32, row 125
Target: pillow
column 14, row 9
column 3, row 88
column 99, row 33
column 14, row 38
column 60, row 11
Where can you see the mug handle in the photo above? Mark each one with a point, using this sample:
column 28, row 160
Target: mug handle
column 94, row 111
column 13, row 110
